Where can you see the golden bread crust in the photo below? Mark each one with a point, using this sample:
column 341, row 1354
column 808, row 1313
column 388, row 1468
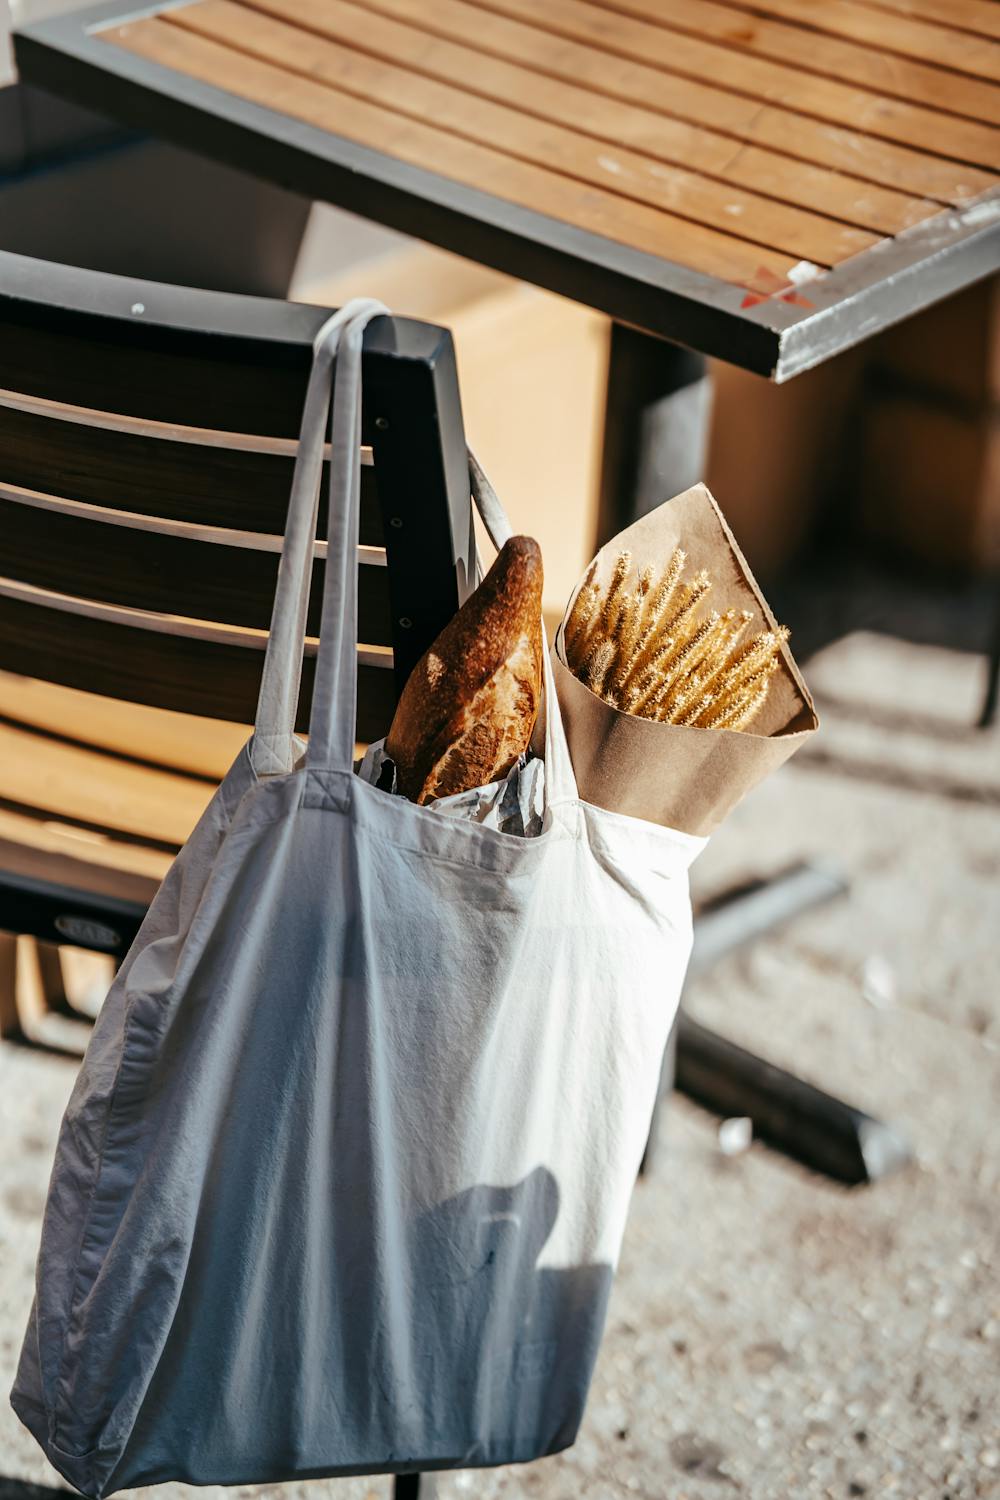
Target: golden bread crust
column 470, row 703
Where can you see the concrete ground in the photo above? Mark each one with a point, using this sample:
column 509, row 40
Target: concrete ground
column 773, row 1335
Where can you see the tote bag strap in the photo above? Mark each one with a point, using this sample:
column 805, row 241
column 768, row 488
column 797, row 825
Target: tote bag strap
column 273, row 742
column 335, row 686
column 560, row 782
column 332, row 722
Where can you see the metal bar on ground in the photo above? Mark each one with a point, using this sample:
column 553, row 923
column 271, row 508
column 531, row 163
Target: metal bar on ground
column 748, row 912
column 787, row 1112
column 414, row 1487
column 796, row 1117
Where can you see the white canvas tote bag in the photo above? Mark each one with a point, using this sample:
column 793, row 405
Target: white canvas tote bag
column 344, row 1176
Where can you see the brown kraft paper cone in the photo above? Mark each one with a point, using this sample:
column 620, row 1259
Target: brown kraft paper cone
column 681, row 777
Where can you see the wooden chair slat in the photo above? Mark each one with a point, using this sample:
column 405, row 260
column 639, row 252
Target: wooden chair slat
column 214, row 680
column 147, row 444
column 202, row 580
column 204, row 748
column 47, row 850
column 210, row 484
column 97, row 791
column 175, row 354
column 194, row 380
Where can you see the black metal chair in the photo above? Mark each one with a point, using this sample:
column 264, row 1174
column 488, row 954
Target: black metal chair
column 146, row 446
column 147, row 438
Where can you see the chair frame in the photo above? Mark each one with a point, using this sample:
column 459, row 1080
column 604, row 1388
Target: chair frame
column 412, row 420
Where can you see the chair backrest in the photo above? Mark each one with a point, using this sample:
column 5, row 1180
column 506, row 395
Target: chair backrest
column 147, row 437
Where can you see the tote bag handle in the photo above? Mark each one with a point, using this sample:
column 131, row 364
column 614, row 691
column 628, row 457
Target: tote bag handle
column 560, row 782
column 335, row 685
column 332, row 724
column 273, row 743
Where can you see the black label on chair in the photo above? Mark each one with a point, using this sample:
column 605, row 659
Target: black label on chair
column 86, row 932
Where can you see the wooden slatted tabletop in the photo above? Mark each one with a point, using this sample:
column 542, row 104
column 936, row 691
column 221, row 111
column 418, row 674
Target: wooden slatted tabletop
column 765, row 180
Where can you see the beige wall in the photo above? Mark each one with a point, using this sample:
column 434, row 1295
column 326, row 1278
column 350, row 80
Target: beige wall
column 532, row 369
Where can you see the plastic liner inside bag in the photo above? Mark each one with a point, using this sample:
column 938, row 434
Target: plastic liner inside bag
column 512, row 805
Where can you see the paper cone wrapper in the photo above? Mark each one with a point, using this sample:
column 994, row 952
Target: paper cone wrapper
column 671, row 774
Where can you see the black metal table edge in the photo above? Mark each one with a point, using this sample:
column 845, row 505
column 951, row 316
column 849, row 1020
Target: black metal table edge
column 772, row 336
column 882, row 286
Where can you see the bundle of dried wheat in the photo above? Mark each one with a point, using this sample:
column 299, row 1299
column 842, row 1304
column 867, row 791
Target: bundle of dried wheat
column 641, row 646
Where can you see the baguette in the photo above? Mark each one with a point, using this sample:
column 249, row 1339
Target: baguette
column 470, row 704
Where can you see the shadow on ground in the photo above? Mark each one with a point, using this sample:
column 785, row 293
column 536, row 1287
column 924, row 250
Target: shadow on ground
column 14, row 1489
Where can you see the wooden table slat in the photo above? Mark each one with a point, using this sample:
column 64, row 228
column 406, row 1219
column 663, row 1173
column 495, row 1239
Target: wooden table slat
column 346, row 115
column 808, row 45
column 450, row 107
column 663, row 141
column 935, row 42
column 745, row 216
column 628, row 78
column 800, row 139
column 981, row 17
column 762, row 80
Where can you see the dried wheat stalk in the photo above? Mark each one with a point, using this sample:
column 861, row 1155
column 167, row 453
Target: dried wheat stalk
column 641, row 646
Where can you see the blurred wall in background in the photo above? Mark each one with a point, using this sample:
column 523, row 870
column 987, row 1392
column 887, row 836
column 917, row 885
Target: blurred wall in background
column 75, row 188
column 895, row 445
column 779, row 455
column 930, row 446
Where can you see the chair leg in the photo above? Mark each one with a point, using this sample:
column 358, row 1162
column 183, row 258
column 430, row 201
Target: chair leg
column 668, row 1071
column 732, row 920
column 414, row 1487
column 988, row 712
column 10, row 1020
column 32, row 996
column 738, row 917
column 790, row 1114
column 42, row 991
column 51, row 979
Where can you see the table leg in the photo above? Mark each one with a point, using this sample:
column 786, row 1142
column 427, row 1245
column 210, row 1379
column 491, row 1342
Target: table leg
column 787, row 1112
column 414, row 1487
column 655, row 428
column 988, row 713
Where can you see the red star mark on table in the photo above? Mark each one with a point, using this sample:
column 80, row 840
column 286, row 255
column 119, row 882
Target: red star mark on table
column 766, row 285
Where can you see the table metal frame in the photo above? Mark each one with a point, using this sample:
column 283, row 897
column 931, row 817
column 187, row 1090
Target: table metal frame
column 780, row 335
